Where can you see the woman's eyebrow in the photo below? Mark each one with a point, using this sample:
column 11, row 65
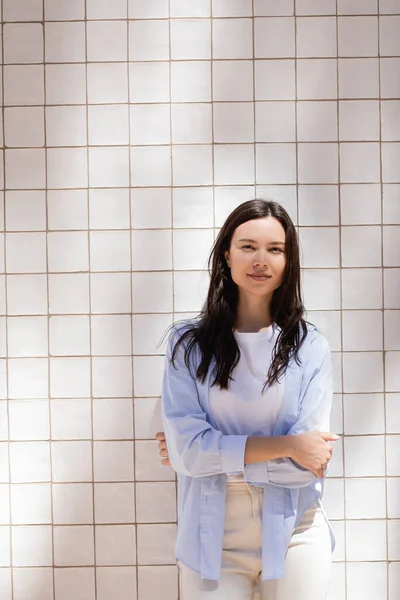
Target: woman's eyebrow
column 255, row 242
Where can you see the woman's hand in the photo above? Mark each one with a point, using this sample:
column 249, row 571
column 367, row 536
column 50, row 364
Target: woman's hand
column 312, row 450
column 162, row 448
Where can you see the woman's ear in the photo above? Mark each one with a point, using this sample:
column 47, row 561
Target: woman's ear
column 226, row 254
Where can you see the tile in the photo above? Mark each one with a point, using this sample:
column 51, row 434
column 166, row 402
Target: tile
column 151, row 208
column 275, row 122
column 191, row 123
column 29, row 462
column 364, row 414
column 24, row 127
column 149, row 332
column 108, row 125
column 232, row 38
column 193, row 207
column 28, row 378
column 114, row 503
column 112, row 579
column 148, row 463
column 317, row 79
column 392, row 371
column 68, row 251
column 275, row 80
column 317, row 122
column 179, row 8
column 365, row 498
column 358, row 37
column 391, row 256
column 151, row 166
column 363, row 372
column 69, row 335
column 148, row 419
column 111, row 335
column 67, row 168
column 315, row 7
column 72, row 503
column 25, row 169
column 359, row 120
column 26, row 579
column 366, row 540
column 393, row 488
column 364, row 456
column 234, row 164
column 65, row 42
column 32, row 546
column 29, row 420
column 151, row 124
column 66, row 83
column 113, row 461
column 109, row 167
column 110, row 293
column 318, row 205
column 392, row 413
column 70, row 377
column 73, row 545
column 354, row 7
column 110, row 251
column 233, row 122
column 367, row 579
column 156, row 544
column 31, row 504
column 316, row 37
column 328, row 323
column 112, row 377
column 154, row 78
column 275, row 163
column 79, row 581
column 71, row 419
column 153, row 9
column 274, row 37
column 357, row 330
column 69, row 293
column 191, row 248
column 191, row 81
column 393, row 540
column 225, row 8
column 112, row 418
column 102, row 9
column 390, row 77
column 388, row 38
column 326, row 239
column 71, row 461
column 23, row 43
column 360, row 204
column 57, row 10
column 23, row 85
column 115, row 545
column 107, row 83
column 109, row 209
column 148, row 373
column 66, row 126
column 106, row 41
column 26, row 252
column 22, row 10
column 144, row 299
column 192, row 165
column 359, row 162
column 152, row 250
column 321, row 289
column 392, row 454
column 358, row 77
column 334, row 498
column 356, row 255
column 148, row 505
column 149, row 40
column 27, row 294
column 390, row 160
column 27, row 336
column 317, row 163
column 362, row 288
column 190, row 39
column 390, row 120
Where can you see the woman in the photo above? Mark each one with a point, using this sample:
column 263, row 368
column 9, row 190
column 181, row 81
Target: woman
column 246, row 400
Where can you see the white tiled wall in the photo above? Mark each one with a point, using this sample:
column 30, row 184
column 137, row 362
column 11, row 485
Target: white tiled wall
column 129, row 136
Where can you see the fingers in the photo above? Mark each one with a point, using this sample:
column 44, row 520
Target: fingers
column 160, row 436
column 328, row 437
column 162, row 445
column 166, row 462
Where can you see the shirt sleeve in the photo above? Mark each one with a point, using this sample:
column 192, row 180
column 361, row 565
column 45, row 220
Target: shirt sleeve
column 314, row 414
column 195, row 448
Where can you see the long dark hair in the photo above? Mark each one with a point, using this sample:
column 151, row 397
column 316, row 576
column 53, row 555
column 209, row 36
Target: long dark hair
column 213, row 334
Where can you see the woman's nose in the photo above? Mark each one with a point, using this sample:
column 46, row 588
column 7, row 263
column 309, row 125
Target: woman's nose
column 260, row 259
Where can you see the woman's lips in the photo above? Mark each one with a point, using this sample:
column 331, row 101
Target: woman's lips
column 260, row 277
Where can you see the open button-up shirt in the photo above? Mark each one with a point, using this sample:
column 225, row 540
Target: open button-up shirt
column 202, row 456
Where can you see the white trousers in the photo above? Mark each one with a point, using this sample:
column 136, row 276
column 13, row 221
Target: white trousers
column 307, row 563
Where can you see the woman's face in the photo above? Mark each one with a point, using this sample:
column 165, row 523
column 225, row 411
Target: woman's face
column 257, row 257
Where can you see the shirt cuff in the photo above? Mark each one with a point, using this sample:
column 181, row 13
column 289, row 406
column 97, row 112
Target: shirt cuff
column 232, row 453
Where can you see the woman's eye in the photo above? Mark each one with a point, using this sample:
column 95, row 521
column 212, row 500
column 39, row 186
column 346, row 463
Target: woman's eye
column 248, row 247
column 276, row 249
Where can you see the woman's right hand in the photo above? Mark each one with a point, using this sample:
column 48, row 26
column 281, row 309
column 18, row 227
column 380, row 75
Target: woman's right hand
column 312, row 450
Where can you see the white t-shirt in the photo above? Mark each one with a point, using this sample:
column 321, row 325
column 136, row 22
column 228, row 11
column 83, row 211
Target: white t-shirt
column 244, row 409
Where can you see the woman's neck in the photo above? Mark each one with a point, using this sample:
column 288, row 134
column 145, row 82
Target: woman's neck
column 253, row 314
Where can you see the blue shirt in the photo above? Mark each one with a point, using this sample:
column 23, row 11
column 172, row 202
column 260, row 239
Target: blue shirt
column 202, row 456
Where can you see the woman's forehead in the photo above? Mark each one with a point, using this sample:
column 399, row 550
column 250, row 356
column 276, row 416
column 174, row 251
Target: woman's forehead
column 261, row 230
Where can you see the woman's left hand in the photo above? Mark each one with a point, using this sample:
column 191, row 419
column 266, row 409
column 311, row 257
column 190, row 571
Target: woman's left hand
column 163, row 449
